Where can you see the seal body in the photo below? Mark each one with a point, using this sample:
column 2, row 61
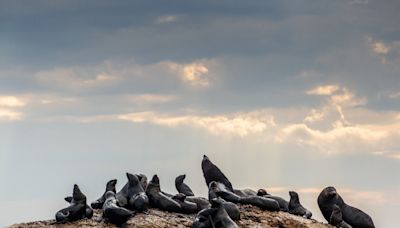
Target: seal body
column 283, row 204
column 181, row 187
column 295, row 206
column 201, row 202
column 219, row 190
column 351, row 215
column 212, row 173
column 213, row 218
column 76, row 210
column 158, row 199
column 231, row 208
column 336, row 218
column 187, row 207
column 113, row 213
column 110, row 186
column 244, row 192
column 132, row 196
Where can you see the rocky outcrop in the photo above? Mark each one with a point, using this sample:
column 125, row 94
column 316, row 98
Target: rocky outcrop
column 250, row 217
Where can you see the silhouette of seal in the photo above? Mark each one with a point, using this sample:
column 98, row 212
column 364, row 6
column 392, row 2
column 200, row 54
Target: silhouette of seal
column 113, row 213
column 186, row 206
column 158, row 199
column 351, row 215
column 337, row 219
column 213, row 218
column 76, row 210
column 295, row 206
column 231, row 208
column 88, row 209
column 143, row 180
column 182, row 187
column 283, row 204
column 218, row 189
column 212, row 173
column 110, row 186
column 132, row 196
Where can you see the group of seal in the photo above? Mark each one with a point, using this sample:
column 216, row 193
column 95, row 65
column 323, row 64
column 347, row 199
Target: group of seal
column 219, row 210
column 340, row 214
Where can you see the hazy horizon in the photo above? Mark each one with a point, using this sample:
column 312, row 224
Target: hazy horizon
column 282, row 95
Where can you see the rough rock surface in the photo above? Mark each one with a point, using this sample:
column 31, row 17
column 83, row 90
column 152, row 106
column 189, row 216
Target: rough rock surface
column 153, row 218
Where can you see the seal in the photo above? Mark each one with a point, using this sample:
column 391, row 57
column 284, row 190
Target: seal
column 132, row 196
column 213, row 217
column 351, row 215
column 158, row 199
column 201, row 202
column 218, row 189
column 110, row 186
column 231, row 208
column 245, row 192
column 186, row 206
column 88, row 209
column 76, row 210
column 295, row 206
column 283, row 204
column 336, row 218
column 143, row 180
column 212, row 173
column 182, row 187
column 113, row 213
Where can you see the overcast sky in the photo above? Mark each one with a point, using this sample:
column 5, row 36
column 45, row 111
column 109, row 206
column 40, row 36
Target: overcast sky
column 283, row 95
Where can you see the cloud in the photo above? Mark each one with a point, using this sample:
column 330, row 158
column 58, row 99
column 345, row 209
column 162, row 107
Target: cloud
column 151, row 98
column 323, row 90
column 394, row 95
column 195, row 74
column 8, row 104
column 241, row 124
column 166, row 19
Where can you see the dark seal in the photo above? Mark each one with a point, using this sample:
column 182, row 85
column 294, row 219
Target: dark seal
column 160, row 200
column 110, row 186
column 295, row 206
column 213, row 218
column 283, row 204
column 337, row 218
column 132, row 196
column 187, row 207
column 351, row 215
column 76, row 210
column 181, row 187
column 212, row 173
column 113, row 213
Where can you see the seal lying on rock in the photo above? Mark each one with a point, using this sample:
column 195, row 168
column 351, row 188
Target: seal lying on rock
column 113, row 213
column 351, row 215
column 110, row 186
column 213, row 218
column 283, row 204
column 182, row 187
column 219, row 189
column 88, row 209
column 212, row 173
column 337, row 219
column 186, row 206
column 295, row 206
column 231, row 208
column 76, row 210
column 132, row 195
column 158, row 199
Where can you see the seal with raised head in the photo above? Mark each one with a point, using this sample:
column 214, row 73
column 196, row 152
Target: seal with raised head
column 213, row 218
column 76, row 210
column 88, row 209
column 132, row 196
column 186, row 206
column 337, row 218
column 231, row 208
column 113, row 213
column 283, row 204
column 110, row 186
column 295, row 206
column 181, row 187
column 351, row 215
column 158, row 199
column 212, row 173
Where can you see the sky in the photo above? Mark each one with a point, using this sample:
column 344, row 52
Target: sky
column 282, row 95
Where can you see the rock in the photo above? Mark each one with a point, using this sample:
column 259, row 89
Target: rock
column 153, row 218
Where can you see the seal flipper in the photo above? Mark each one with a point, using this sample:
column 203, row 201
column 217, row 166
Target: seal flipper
column 68, row 199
